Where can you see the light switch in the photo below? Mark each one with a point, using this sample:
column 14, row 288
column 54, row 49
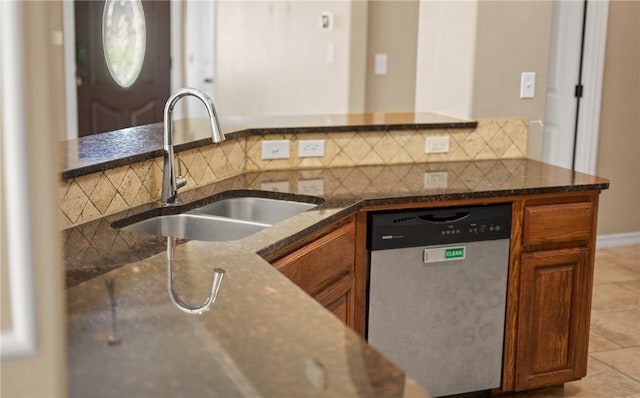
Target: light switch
column 528, row 85
column 275, row 149
column 326, row 21
column 380, row 64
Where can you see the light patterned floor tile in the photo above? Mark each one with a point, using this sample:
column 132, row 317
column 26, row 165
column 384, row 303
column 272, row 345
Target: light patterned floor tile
column 598, row 343
column 625, row 360
column 605, row 272
column 633, row 285
column 613, row 297
column 602, row 381
column 620, row 327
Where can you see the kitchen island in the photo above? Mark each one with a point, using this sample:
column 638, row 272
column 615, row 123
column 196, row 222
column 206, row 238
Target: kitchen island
column 264, row 335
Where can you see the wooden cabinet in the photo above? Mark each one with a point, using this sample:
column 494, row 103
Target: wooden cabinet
column 555, row 279
column 324, row 266
column 549, row 287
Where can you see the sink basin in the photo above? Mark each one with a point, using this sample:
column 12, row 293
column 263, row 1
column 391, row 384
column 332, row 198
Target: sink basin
column 254, row 209
column 196, row 227
column 224, row 220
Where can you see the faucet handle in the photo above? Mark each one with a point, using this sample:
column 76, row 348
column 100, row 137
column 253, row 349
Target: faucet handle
column 181, row 181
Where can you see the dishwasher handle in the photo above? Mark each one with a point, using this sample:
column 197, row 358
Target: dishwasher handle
column 444, row 218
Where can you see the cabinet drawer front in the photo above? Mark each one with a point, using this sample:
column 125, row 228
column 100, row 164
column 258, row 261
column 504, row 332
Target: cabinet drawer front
column 321, row 262
column 558, row 223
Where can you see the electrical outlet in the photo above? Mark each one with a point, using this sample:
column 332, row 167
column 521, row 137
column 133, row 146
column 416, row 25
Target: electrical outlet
column 435, row 179
column 313, row 187
column 275, row 149
column 275, row 186
column 310, row 148
column 437, row 144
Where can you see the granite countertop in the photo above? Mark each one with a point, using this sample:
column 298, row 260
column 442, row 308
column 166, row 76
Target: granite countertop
column 263, row 336
column 111, row 149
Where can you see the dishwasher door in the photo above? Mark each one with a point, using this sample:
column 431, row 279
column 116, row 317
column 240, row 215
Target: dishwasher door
column 442, row 322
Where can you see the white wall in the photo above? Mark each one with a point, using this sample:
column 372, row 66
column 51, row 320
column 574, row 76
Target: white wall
column 512, row 37
column 445, row 57
column 619, row 141
column 279, row 47
column 471, row 54
column 393, row 30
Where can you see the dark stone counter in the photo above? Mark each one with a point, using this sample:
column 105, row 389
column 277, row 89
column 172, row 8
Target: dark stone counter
column 263, row 336
column 117, row 148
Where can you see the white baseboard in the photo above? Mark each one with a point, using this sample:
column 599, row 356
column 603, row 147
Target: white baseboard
column 615, row 240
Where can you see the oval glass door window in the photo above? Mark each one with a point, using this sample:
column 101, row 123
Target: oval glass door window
column 124, row 38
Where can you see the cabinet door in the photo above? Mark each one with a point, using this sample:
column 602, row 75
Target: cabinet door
column 325, row 268
column 320, row 263
column 339, row 299
column 553, row 322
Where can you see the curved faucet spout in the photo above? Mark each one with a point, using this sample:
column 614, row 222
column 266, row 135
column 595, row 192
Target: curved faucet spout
column 216, row 282
column 170, row 185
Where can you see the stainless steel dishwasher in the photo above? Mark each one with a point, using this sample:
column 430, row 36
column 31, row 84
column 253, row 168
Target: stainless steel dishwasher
column 437, row 294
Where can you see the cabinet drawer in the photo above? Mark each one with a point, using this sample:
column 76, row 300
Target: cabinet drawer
column 321, row 262
column 557, row 223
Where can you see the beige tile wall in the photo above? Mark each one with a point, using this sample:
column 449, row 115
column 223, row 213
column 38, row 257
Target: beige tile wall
column 99, row 194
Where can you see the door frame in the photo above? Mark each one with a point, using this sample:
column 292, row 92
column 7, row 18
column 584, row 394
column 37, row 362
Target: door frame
column 592, row 76
column 20, row 339
column 71, row 96
column 590, row 103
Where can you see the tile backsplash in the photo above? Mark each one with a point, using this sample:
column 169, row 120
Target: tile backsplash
column 95, row 195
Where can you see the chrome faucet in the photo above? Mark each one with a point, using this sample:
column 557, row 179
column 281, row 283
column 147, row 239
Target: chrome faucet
column 170, row 184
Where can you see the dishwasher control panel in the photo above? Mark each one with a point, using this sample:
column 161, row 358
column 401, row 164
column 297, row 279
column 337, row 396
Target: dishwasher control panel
column 397, row 229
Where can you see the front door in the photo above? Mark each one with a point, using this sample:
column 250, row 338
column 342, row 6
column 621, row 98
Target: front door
column 122, row 63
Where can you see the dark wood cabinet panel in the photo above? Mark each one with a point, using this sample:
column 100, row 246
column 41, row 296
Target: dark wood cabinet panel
column 571, row 222
column 550, row 285
column 325, row 268
column 339, row 299
column 321, row 262
column 553, row 329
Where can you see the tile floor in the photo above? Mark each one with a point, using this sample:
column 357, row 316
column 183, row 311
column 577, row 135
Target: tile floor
column 614, row 344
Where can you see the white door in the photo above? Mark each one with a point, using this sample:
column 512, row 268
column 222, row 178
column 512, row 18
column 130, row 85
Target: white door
column 199, row 51
column 564, row 66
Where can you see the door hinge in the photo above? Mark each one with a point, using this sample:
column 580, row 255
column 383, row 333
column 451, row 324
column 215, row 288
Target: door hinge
column 578, row 92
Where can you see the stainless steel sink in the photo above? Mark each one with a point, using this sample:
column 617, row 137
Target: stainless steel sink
column 224, row 220
column 254, row 209
column 197, row 227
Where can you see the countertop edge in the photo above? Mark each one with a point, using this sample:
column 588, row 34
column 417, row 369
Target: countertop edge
column 157, row 129
column 340, row 207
